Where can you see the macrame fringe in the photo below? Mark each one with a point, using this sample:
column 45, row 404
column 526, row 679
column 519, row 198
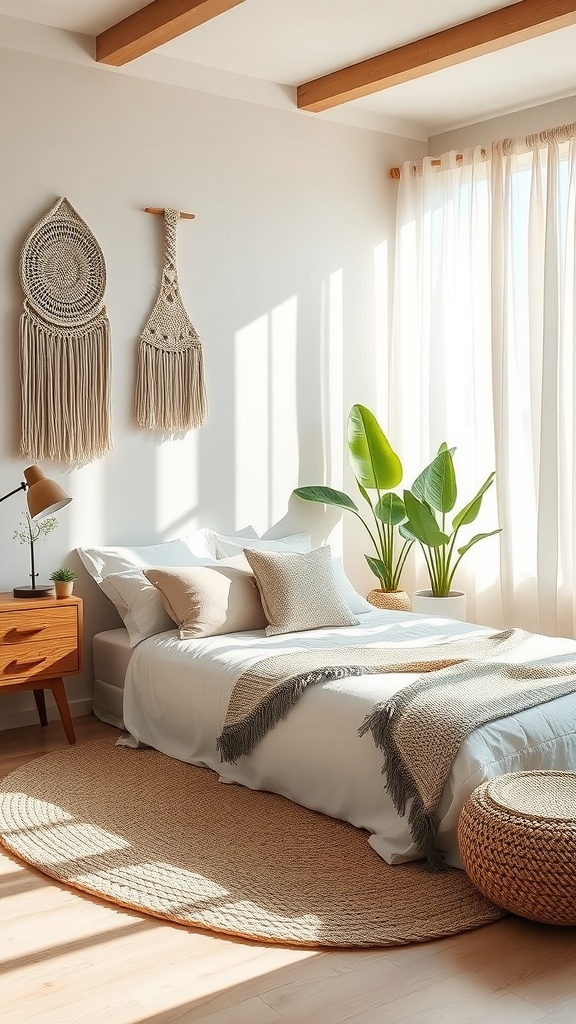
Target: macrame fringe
column 170, row 388
column 65, row 392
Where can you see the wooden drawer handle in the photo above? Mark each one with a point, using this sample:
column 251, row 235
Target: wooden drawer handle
column 15, row 633
column 15, row 667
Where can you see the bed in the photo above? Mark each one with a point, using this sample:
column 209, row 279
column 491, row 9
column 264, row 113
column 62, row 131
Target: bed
column 172, row 692
column 176, row 695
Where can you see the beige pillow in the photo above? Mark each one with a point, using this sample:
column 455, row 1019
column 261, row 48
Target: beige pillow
column 208, row 600
column 299, row 591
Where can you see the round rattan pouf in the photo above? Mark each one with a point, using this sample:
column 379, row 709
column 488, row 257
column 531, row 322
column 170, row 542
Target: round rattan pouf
column 517, row 838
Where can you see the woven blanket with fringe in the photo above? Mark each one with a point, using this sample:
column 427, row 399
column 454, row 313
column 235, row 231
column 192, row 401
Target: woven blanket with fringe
column 461, row 686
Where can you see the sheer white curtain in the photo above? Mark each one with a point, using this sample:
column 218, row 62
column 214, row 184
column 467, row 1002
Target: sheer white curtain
column 482, row 356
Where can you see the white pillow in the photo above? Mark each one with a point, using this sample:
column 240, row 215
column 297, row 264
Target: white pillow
column 139, row 604
column 142, row 610
column 101, row 562
column 226, row 547
column 355, row 602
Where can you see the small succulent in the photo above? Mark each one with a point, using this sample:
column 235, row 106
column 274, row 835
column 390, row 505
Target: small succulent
column 63, row 575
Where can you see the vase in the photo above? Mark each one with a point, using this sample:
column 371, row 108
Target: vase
column 451, row 607
column 64, row 588
column 390, row 600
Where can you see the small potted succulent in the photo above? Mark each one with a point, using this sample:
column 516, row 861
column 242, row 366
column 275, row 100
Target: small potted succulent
column 63, row 579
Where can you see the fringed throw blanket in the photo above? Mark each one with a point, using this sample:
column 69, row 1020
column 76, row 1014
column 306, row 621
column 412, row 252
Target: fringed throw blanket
column 421, row 727
column 64, row 341
column 170, row 388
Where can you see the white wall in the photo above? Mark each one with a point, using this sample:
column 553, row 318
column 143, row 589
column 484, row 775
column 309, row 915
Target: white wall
column 511, row 126
column 294, row 220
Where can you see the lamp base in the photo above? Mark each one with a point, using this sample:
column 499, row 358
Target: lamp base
column 42, row 590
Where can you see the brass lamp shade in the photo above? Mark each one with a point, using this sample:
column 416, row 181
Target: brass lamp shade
column 44, row 496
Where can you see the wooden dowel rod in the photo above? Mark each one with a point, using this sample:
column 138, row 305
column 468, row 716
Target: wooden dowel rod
column 160, row 210
column 395, row 172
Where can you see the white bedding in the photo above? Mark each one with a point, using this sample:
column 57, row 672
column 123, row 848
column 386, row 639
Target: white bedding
column 177, row 691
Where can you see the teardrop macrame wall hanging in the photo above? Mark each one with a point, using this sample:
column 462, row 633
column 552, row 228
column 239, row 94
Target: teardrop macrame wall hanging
column 170, row 388
column 64, row 341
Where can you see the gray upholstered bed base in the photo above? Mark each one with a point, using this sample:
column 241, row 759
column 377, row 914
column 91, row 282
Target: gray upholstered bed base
column 111, row 654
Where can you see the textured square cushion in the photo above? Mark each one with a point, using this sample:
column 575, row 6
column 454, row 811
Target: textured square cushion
column 209, row 600
column 299, row 590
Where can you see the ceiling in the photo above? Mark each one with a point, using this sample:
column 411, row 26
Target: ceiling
column 283, row 43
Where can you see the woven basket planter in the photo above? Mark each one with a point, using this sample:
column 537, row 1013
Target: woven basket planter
column 517, row 838
column 390, row 600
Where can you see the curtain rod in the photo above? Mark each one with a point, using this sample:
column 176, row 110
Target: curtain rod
column 395, row 172
column 563, row 133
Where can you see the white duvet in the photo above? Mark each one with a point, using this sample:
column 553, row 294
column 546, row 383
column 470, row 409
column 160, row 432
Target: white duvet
column 177, row 691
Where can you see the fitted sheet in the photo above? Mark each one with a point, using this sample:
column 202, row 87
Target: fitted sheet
column 177, row 691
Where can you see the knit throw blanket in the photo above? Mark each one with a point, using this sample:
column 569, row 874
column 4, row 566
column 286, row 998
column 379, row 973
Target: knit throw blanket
column 421, row 727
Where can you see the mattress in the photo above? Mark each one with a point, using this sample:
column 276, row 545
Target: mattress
column 111, row 653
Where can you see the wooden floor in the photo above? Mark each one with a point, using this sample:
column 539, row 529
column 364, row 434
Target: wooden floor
column 69, row 958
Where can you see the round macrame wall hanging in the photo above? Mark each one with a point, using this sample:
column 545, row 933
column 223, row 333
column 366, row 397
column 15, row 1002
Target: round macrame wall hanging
column 64, row 341
column 170, row 390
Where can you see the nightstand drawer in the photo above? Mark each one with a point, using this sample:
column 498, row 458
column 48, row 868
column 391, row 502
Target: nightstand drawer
column 37, row 626
column 48, row 658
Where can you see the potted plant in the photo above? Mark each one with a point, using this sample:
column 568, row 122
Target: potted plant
column 30, row 531
column 63, row 579
column 428, row 502
column 377, row 469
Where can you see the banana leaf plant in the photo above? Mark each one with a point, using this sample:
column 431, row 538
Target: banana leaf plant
column 429, row 501
column 377, row 469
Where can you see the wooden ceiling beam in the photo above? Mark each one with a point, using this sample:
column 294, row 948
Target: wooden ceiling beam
column 494, row 31
column 155, row 24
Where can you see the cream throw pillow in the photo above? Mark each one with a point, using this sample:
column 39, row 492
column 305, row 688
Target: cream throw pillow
column 208, row 600
column 299, row 591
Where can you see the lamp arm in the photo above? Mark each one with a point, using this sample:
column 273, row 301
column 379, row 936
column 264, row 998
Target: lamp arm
column 22, row 487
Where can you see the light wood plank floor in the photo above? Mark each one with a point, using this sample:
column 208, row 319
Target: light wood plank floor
column 70, row 959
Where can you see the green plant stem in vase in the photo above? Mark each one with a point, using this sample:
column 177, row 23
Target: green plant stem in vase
column 428, row 502
column 378, row 470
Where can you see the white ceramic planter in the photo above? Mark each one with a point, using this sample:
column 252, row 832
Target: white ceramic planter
column 452, row 607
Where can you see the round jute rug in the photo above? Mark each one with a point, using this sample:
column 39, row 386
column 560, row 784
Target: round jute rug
column 160, row 836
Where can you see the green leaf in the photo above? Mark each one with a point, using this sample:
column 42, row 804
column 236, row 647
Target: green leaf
column 390, row 509
column 436, row 484
column 405, row 532
column 475, row 540
column 422, row 523
column 380, row 569
column 364, row 493
column 375, row 465
column 326, row 496
column 444, row 448
column 471, row 510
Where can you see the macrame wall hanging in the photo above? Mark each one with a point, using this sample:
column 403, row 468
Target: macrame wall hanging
column 170, row 389
column 64, row 341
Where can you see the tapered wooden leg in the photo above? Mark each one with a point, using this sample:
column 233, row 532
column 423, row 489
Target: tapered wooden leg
column 57, row 687
column 40, row 698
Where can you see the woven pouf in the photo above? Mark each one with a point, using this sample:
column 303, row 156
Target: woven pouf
column 517, row 838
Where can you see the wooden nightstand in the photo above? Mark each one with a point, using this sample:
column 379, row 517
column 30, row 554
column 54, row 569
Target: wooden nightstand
column 40, row 642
